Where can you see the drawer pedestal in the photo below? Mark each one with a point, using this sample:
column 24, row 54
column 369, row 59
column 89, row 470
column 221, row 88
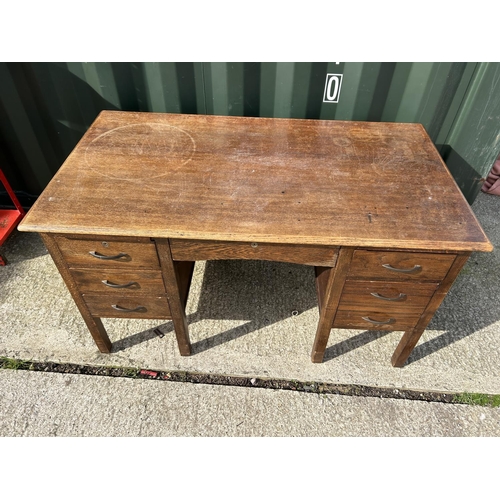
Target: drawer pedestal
column 123, row 278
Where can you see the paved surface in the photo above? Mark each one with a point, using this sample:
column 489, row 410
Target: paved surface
column 52, row 404
column 243, row 321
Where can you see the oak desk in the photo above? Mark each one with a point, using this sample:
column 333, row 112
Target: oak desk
column 370, row 205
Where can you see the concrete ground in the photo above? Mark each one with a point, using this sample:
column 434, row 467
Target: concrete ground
column 253, row 319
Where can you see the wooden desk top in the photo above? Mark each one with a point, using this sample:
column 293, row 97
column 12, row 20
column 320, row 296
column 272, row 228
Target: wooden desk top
column 258, row 179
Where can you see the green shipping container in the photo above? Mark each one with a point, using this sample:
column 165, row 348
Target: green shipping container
column 46, row 107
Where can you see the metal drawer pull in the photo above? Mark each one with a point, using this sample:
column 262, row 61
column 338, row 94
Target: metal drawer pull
column 388, row 322
column 414, row 269
column 401, row 296
column 124, row 309
column 114, row 285
column 108, row 257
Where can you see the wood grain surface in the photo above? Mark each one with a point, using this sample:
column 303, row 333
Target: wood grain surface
column 318, row 182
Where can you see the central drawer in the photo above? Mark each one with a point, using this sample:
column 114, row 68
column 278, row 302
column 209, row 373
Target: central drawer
column 313, row 255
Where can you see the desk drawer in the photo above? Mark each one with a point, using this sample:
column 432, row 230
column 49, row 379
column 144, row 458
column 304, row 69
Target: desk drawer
column 108, row 254
column 400, row 266
column 313, row 255
column 139, row 306
column 386, row 296
column 118, row 282
column 373, row 320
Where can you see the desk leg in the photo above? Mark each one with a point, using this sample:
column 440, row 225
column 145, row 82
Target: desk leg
column 411, row 337
column 94, row 325
column 330, row 301
column 172, row 279
column 405, row 346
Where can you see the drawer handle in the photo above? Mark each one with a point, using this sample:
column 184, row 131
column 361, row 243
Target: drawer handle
column 108, row 257
column 388, row 322
column 114, row 285
column 124, row 309
column 414, row 269
column 401, row 296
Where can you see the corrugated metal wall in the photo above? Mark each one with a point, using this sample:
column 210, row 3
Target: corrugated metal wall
column 46, row 107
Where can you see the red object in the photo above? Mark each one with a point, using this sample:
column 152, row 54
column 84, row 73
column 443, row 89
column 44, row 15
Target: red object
column 492, row 183
column 9, row 218
column 148, row 372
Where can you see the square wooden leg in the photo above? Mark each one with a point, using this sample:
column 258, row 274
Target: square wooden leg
column 405, row 346
column 173, row 277
column 334, row 278
column 98, row 332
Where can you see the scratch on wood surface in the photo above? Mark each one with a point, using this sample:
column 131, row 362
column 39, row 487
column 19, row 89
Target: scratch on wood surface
column 355, row 152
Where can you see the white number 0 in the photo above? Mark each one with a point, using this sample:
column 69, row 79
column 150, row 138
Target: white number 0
column 329, row 95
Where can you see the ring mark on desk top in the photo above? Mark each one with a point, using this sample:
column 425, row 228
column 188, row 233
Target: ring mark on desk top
column 156, row 149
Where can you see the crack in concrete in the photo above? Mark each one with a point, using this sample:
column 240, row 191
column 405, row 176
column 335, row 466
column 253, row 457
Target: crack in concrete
column 320, row 388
